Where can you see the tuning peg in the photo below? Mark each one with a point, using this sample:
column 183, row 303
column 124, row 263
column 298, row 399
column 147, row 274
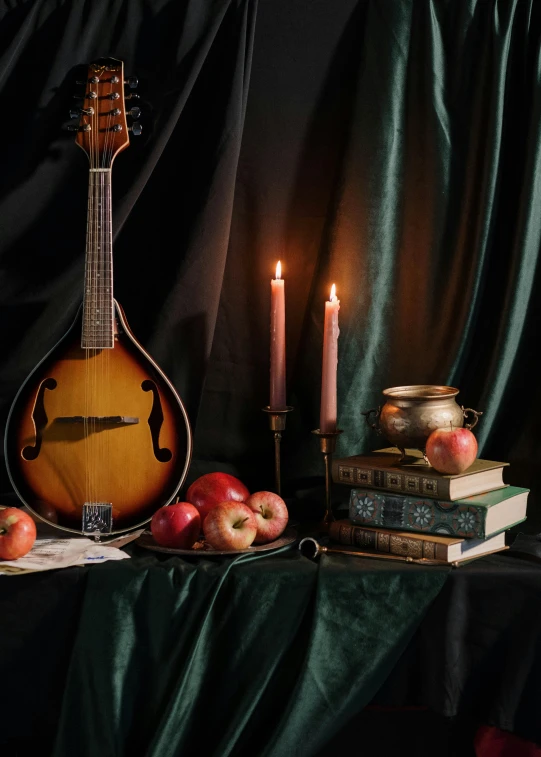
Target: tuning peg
column 77, row 112
column 132, row 96
column 132, row 82
column 76, row 127
column 134, row 112
column 136, row 129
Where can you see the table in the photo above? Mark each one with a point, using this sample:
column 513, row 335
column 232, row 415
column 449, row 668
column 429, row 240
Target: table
column 270, row 656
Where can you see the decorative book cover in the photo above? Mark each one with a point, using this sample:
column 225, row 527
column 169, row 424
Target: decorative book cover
column 474, row 517
column 382, row 470
column 417, row 546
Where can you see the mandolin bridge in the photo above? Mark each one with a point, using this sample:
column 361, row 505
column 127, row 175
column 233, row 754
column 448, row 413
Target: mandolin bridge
column 111, row 420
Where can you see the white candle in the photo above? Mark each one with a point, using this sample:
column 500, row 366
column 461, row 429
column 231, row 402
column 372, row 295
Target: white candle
column 327, row 419
column 278, row 343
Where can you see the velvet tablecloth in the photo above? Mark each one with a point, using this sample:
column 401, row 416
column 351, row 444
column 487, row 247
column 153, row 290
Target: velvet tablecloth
column 267, row 655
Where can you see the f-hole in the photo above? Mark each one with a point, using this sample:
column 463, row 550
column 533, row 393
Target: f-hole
column 39, row 419
column 155, row 421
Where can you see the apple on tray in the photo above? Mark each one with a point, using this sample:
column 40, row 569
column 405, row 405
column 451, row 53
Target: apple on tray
column 230, row 525
column 177, row 526
column 17, row 533
column 451, row 450
column 212, row 489
column 271, row 515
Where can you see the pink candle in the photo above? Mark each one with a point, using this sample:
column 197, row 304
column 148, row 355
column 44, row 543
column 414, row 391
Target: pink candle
column 278, row 343
column 327, row 419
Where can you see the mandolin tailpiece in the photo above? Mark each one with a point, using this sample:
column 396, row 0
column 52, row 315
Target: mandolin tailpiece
column 97, row 518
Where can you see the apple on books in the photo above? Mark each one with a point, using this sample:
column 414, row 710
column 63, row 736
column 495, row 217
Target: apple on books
column 451, row 450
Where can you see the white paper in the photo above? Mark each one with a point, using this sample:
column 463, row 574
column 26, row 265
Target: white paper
column 50, row 554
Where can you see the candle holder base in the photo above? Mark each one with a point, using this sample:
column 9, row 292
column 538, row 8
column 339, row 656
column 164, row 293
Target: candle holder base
column 327, row 445
column 277, row 424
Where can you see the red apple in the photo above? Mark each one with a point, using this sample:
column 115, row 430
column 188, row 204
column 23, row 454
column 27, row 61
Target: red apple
column 17, row 533
column 176, row 526
column 213, row 488
column 230, row 525
column 451, row 450
column 270, row 513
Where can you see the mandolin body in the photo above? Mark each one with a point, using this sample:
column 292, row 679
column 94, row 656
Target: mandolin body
column 97, row 432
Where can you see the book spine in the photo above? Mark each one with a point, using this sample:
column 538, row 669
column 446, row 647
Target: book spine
column 418, row 514
column 394, row 544
column 393, row 481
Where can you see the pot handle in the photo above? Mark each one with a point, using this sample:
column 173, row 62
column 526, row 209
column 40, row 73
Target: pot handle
column 475, row 414
column 368, row 413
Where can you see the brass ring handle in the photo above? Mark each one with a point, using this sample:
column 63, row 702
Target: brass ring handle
column 368, row 413
column 475, row 413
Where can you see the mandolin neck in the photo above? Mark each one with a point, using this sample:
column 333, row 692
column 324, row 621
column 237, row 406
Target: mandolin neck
column 98, row 305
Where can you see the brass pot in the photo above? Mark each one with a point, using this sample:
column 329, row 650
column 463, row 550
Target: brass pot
column 411, row 413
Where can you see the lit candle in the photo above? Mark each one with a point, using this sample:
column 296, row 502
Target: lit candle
column 278, row 343
column 327, row 419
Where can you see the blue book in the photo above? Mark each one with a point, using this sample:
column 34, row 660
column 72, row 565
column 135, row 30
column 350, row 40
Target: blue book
column 476, row 517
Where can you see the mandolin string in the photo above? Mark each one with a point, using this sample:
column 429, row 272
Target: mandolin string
column 105, row 286
column 98, row 312
column 88, row 284
column 90, row 300
column 89, row 296
column 105, row 291
column 94, row 274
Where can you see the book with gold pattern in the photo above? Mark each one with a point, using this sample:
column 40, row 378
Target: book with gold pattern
column 381, row 469
column 418, row 546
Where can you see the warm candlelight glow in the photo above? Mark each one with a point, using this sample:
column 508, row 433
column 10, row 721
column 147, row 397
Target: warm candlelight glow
column 278, row 270
column 333, row 293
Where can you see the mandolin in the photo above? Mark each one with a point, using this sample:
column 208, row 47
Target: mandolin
column 97, row 438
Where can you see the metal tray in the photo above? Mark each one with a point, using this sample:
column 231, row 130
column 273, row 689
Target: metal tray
column 146, row 541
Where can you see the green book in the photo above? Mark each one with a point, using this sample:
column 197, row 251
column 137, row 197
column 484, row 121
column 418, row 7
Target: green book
column 476, row 517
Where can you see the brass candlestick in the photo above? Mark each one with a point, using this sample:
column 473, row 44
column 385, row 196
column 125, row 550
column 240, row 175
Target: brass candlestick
column 277, row 423
column 327, row 444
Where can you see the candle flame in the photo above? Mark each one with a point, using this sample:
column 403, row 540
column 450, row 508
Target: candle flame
column 278, row 270
column 333, row 293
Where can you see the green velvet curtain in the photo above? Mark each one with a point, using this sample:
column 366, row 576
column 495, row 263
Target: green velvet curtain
column 255, row 655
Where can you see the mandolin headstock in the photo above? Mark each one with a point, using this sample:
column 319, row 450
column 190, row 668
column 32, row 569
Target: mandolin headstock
column 102, row 131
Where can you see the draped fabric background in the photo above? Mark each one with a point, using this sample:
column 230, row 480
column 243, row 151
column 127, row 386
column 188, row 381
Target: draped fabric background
column 391, row 147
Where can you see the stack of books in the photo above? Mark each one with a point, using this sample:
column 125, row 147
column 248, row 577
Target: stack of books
column 411, row 510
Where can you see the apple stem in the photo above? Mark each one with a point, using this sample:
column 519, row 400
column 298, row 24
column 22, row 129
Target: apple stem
column 3, row 531
column 239, row 523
